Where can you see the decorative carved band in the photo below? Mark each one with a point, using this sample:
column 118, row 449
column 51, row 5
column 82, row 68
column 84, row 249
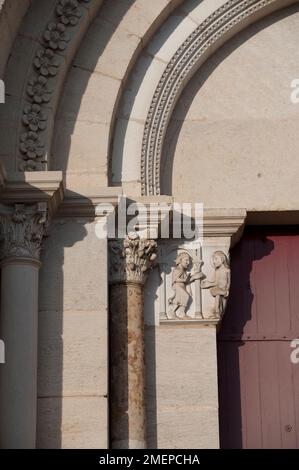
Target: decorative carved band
column 178, row 71
column 131, row 259
column 22, row 228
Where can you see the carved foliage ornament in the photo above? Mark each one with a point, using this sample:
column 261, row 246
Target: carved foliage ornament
column 131, row 259
column 46, row 64
column 22, row 229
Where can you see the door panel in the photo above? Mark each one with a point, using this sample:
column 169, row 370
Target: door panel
column 258, row 384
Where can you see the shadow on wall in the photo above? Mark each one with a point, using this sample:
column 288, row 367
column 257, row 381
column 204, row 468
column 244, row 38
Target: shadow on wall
column 135, row 81
column 203, row 74
column 238, row 314
column 52, row 312
column 67, row 113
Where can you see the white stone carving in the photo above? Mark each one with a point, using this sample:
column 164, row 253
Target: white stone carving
column 220, row 284
column 180, row 280
column 22, row 228
column 179, row 293
column 131, row 259
column 191, row 282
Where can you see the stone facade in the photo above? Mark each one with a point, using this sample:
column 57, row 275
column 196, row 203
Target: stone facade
column 121, row 97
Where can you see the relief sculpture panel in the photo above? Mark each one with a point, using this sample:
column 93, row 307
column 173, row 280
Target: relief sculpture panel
column 191, row 283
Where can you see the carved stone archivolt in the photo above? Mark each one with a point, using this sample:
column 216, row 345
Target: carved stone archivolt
column 22, row 229
column 131, row 259
column 179, row 70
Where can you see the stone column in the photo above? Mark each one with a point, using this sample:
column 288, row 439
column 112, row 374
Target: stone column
column 130, row 261
column 22, row 231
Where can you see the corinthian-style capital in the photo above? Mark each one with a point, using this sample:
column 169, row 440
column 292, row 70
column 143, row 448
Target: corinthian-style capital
column 22, row 228
column 131, row 259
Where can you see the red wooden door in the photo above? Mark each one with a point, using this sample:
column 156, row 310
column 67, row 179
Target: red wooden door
column 258, row 383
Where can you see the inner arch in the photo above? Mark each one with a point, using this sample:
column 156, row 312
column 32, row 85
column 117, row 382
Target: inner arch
column 236, row 125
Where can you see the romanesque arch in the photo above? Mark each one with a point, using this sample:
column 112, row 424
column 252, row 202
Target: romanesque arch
column 91, row 87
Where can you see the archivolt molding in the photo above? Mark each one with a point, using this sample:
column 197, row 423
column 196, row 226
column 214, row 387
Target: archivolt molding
column 219, row 26
column 42, row 85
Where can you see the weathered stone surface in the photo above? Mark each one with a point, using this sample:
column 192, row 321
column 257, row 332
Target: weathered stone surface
column 186, row 428
column 182, row 389
column 65, row 283
column 237, row 121
column 127, row 379
column 73, row 355
column 9, row 115
column 11, row 15
column 72, row 423
column 75, row 153
column 70, row 343
column 93, row 56
column 130, row 261
column 76, row 103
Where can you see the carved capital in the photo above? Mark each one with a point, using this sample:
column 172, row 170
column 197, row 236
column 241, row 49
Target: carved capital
column 131, row 259
column 22, row 228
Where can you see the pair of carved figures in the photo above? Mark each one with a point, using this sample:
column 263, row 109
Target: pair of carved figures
column 219, row 285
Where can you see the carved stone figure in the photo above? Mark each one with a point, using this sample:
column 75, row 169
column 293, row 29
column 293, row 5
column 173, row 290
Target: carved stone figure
column 180, row 279
column 220, row 285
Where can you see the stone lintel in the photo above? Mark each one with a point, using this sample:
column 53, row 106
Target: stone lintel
column 224, row 223
column 87, row 203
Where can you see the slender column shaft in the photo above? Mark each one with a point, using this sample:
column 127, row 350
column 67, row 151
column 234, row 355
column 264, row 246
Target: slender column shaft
column 22, row 230
column 127, row 379
column 18, row 376
column 130, row 261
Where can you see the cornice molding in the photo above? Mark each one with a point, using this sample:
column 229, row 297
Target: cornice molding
column 84, row 203
column 38, row 187
column 224, row 223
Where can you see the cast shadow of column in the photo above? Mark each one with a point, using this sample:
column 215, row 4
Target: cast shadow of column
column 64, row 232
